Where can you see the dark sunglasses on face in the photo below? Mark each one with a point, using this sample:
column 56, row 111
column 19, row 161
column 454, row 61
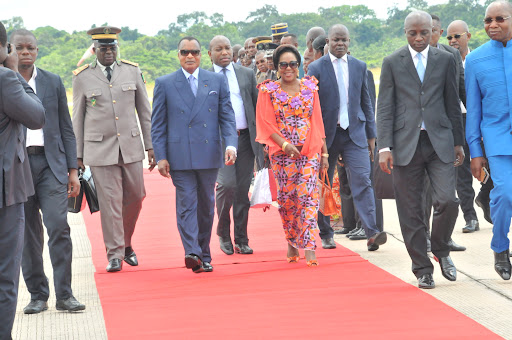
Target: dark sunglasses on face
column 456, row 36
column 194, row 53
column 498, row 19
column 292, row 64
column 105, row 49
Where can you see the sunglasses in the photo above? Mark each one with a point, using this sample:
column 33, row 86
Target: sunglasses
column 194, row 53
column 456, row 36
column 498, row 19
column 292, row 64
column 105, row 49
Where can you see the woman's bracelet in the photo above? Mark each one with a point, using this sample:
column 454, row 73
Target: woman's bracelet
column 325, row 155
column 283, row 147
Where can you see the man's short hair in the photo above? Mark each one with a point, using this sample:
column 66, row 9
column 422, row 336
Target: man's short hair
column 260, row 52
column 3, row 35
column 417, row 14
column 314, row 32
column 22, row 32
column 435, row 18
column 189, row 39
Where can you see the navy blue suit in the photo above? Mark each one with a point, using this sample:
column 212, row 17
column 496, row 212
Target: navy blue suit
column 351, row 143
column 188, row 132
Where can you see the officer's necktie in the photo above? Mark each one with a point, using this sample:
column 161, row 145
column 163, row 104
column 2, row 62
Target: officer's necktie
column 193, row 85
column 343, row 97
column 420, row 68
column 109, row 73
column 224, row 71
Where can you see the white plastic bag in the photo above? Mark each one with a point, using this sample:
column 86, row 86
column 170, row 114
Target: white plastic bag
column 261, row 195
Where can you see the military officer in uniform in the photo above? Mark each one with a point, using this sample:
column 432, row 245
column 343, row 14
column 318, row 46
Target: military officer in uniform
column 105, row 95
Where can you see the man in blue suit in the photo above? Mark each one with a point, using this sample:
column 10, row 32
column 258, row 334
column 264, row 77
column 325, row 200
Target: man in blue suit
column 349, row 129
column 192, row 117
column 489, row 115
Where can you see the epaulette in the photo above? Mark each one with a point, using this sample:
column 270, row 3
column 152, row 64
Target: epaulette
column 80, row 69
column 129, row 62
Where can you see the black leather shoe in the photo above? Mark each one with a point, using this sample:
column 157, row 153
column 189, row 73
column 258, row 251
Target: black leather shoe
column 131, row 259
column 194, row 262
column 243, row 249
column 471, row 227
column 447, row 268
column 226, row 246
column 360, row 235
column 484, row 204
column 502, row 264
column 35, row 306
column 207, row 267
column 114, row 265
column 455, row 247
column 377, row 240
column 426, row 281
column 354, row 231
column 328, row 243
column 70, row 304
column 343, row 231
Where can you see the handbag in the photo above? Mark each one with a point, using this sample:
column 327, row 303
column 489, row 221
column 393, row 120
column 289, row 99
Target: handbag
column 327, row 204
column 90, row 191
column 382, row 181
column 77, row 204
column 261, row 194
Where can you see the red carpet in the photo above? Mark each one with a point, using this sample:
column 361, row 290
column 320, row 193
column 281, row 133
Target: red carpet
column 258, row 296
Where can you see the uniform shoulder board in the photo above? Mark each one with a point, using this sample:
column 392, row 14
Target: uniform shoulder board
column 129, row 62
column 80, row 69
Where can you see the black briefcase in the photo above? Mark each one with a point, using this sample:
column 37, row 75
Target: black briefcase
column 77, row 204
column 87, row 189
column 382, row 181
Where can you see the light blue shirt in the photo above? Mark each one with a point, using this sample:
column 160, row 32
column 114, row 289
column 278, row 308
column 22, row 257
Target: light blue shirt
column 235, row 95
column 195, row 74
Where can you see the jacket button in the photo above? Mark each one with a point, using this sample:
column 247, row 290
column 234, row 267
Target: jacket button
column 210, row 110
column 114, row 101
column 206, row 141
column 422, row 92
column 204, row 125
column 118, row 134
column 422, row 109
column 190, row 126
column 110, row 86
column 117, row 118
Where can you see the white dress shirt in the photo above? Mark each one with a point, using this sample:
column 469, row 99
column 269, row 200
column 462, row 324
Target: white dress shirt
column 344, row 67
column 235, row 95
column 34, row 137
column 104, row 68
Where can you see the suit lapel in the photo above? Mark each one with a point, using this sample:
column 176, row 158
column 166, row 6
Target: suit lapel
column 330, row 70
column 98, row 73
column 115, row 71
column 40, row 84
column 184, row 89
column 406, row 60
column 203, row 89
column 431, row 63
column 351, row 77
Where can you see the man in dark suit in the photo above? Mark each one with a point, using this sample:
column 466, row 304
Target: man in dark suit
column 192, row 119
column 18, row 106
column 233, row 182
column 420, row 131
column 349, row 129
column 52, row 156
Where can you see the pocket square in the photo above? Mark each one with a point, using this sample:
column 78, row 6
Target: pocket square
column 212, row 93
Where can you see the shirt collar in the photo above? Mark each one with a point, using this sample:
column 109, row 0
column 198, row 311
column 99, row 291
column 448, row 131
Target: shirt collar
column 102, row 67
column 218, row 68
column 424, row 53
column 344, row 58
column 195, row 74
column 34, row 74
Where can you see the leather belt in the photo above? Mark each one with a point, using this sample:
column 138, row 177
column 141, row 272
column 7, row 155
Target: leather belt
column 239, row 132
column 35, row 150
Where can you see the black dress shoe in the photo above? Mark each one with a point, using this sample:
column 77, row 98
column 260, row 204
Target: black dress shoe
column 35, row 306
column 207, row 267
column 343, row 231
column 447, row 268
column 328, row 243
column 426, row 281
column 502, row 264
column 131, row 259
column 114, row 265
column 70, row 304
column 377, row 240
column 193, row 262
column 471, row 226
column 226, row 246
column 455, row 247
column 243, row 249
column 360, row 235
column 354, row 231
column 484, row 204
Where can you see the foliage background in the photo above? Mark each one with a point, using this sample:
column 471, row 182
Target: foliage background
column 371, row 38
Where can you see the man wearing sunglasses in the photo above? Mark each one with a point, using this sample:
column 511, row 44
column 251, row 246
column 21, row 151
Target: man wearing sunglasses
column 192, row 120
column 106, row 94
column 489, row 116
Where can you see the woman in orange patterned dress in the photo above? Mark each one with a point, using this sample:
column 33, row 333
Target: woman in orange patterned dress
column 289, row 122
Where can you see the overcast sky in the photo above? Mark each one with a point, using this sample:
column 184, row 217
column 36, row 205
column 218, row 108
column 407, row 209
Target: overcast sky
column 151, row 16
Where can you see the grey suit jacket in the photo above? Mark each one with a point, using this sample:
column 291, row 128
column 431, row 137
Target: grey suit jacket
column 459, row 70
column 247, row 83
column 59, row 138
column 18, row 106
column 404, row 102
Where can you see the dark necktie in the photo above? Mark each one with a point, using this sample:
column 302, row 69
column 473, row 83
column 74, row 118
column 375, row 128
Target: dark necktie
column 224, row 70
column 109, row 73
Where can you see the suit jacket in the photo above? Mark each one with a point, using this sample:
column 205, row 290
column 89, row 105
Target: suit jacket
column 360, row 112
column 459, row 70
column 187, row 130
column 18, row 106
column 247, row 83
column 404, row 101
column 59, row 138
column 104, row 118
